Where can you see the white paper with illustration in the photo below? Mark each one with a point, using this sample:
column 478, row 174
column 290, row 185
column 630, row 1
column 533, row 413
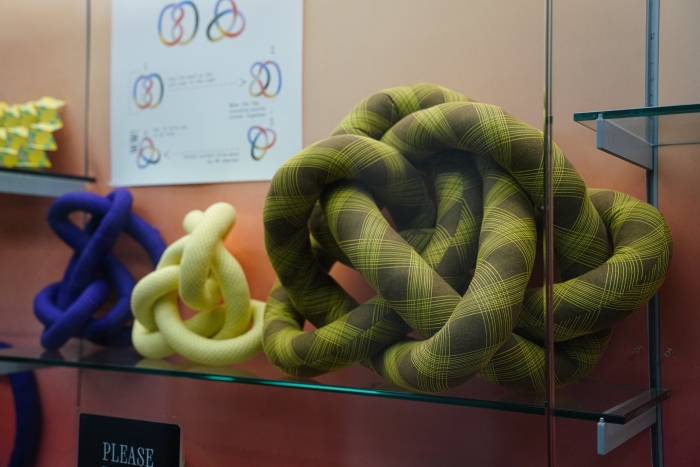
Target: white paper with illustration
column 204, row 91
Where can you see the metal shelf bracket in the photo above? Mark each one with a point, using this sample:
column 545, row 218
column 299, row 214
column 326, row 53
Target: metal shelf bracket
column 618, row 142
column 611, row 435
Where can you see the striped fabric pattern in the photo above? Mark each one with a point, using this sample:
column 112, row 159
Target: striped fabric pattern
column 462, row 183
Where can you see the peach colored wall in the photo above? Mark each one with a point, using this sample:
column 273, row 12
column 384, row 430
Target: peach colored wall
column 44, row 54
column 490, row 50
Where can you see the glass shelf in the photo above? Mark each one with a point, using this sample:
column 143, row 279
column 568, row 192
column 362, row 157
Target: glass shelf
column 39, row 183
column 615, row 404
column 677, row 124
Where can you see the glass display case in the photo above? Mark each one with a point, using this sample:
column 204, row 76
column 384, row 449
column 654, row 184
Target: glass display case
column 594, row 64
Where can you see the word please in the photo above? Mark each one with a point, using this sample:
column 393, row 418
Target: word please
column 125, row 454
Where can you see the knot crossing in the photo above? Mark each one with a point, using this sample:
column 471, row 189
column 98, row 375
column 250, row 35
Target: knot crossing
column 173, row 16
column 66, row 308
column 267, row 79
column 226, row 11
column 210, row 281
column 147, row 154
column 144, row 94
column 260, row 139
column 462, row 182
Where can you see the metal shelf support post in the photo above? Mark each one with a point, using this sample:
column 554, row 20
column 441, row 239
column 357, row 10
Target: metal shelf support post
column 652, row 182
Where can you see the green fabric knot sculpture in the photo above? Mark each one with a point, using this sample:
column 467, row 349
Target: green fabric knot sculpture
column 462, row 182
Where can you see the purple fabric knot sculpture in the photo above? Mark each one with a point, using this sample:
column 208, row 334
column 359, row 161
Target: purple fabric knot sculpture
column 66, row 308
column 27, row 417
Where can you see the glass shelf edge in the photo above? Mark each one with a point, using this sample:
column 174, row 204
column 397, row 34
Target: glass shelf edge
column 40, row 174
column 614, row 418
column 662, row 396
column 44, row 184
column 445, row 400
column 637, row 112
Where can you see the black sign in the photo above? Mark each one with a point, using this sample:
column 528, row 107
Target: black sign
column 120, row 442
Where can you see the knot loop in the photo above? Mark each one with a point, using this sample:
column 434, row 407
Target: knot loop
column 27, row 417
column 463, row 183
column 66, row 308
column 201, row 269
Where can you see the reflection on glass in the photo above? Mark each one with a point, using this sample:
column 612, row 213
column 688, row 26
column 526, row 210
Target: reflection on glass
column 581, row 400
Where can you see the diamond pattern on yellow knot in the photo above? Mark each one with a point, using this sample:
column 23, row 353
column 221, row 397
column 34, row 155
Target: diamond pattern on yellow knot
column 209, row 280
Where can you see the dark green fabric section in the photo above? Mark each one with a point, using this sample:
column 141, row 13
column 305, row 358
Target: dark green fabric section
column 462, row 183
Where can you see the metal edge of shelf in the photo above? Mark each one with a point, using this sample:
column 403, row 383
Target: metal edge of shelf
column 613, row 418
column 642, row 409
column 41, row 184
column 617, row 417
column 41, row 173
column 637, row 112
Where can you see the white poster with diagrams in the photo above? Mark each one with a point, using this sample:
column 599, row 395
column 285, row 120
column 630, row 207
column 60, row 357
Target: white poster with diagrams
column 204, row 91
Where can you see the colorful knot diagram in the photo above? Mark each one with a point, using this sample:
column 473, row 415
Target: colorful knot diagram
column 260, row 139
column 225, row 12
column 67, row 308
column 210, row 281
column 26, row 132
column 148, row 153
column 267, row 79
column 173, row 23
column 148, row 91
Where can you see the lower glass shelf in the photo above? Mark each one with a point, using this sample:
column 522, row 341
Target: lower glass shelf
column 618, row 404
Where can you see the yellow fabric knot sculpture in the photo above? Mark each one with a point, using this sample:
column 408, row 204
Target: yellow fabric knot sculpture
column 463, row 184
column 201, row 269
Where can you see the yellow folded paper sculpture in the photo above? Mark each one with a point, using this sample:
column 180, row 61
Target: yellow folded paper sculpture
column 209, row 280
column 26, row 132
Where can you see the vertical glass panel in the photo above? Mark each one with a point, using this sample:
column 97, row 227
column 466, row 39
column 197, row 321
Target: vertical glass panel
column 601, row 63
column 351, row 50
column 490, row 51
